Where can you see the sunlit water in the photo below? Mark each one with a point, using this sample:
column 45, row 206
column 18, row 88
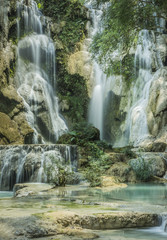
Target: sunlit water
column 132, row 234
column 6, row 194
column 127, row 199
column 147, row 193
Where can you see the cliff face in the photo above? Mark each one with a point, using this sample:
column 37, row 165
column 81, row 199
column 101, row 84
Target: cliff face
column 14, row 128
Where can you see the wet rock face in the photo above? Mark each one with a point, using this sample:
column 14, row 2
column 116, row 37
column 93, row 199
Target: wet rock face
column 9, row 131
column 157, row 105
column 14, row 128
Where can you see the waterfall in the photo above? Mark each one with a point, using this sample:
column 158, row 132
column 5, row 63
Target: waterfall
column 36, row 74
column 102, row 84
column 136, row 122
column 35, row 163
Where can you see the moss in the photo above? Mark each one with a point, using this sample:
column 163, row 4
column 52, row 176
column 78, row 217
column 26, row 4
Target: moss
column 70, row 18
column 124, row 67
column 72, row 88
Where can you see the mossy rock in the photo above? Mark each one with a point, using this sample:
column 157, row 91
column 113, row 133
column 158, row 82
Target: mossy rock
column 81, row 134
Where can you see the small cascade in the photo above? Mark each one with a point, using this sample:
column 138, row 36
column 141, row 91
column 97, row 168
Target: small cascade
column 36, row 74
column 35, row 163
column 164, row 224
column 161, row 230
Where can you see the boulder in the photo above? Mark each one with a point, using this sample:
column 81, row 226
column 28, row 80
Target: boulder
column 111, row 182
column 157, row 162
column 9, row 132
column 123, row 172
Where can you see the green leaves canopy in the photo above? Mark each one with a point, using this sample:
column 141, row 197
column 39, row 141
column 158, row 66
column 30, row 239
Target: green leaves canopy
column 122, row 20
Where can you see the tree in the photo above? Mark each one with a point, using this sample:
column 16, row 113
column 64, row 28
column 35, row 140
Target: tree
column 122, row 20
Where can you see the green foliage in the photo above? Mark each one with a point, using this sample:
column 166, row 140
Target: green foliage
column 73, row 89
column 122, row 20
column 93, row 174
column 81, row 134
column 70, row 16
column 73, row 14
column 126, row 150
column 63, row 177
column 97, row 166
column 142, row 168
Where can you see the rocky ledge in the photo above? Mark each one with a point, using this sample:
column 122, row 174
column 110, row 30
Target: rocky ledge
column 103, row 221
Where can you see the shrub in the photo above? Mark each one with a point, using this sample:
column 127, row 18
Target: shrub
column 142, row 168
column 93, row 174
column 80, row 135
column 64, row 176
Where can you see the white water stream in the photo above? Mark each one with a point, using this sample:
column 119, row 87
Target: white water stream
column 36, row 73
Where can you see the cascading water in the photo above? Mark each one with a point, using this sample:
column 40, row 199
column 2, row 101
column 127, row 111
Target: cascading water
column 36, row 81
column 35, row 163
column 136, row 123
column 36, row 74
column 102, row 84
column 133, row 128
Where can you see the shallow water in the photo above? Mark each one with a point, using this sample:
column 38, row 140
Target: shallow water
column 155, row 194
column 133, row 234
column 6, row 194
column 136, row 197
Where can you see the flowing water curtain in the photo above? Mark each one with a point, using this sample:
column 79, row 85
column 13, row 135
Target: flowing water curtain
column 147, row 58
column 34, row 163
column 136, row 122
column 102, row 84
column 36, row 73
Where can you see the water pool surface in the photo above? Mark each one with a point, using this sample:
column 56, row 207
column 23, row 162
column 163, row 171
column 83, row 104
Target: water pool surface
column 155, row 194
column 6, row 194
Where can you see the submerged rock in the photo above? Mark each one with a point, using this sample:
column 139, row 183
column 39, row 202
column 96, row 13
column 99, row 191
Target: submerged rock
column 29, row 189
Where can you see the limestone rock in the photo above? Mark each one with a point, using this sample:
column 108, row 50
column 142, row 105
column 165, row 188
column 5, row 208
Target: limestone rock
column 155, row 146
column 11, row 105
column 9, row 132
column 111, row 182
column 27, row 189
column 38, row 163
column 161, row 46
column 6, row 58
column 104, row 221
column 80, row 63
column 123, row 172
column 157, row 162
column 157, row 104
